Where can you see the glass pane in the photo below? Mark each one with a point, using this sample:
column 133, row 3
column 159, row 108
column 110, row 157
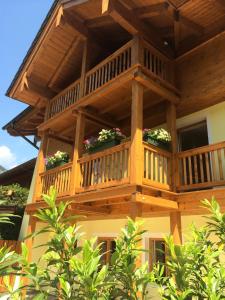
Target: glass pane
column 103, row 252
column 160, row 252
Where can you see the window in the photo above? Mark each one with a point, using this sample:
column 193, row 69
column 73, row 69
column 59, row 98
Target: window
column 157, row 251
column 108, row 247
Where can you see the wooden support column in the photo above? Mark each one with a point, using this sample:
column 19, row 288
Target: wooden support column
column 175, row 227
column 171, row 127
column 77, row 152
column 136, row 152
column 84, row 68
column 40, row 165
column 137, row 51
column 30, row 230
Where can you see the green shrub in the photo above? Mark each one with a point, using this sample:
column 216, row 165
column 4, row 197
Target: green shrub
column 73, row 267
column 13, row 195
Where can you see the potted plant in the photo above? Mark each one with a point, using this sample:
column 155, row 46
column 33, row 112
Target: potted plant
column 107, row 138
column 157, row 137
column 56, row 160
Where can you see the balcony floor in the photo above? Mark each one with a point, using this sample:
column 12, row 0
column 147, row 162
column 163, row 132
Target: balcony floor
column 144, row 201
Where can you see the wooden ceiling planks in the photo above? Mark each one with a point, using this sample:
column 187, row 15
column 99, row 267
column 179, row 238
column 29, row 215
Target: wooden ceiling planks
column 196, row 14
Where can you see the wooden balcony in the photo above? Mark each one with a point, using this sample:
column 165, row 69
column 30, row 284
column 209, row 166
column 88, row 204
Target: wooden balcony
column 199, row 168
column 134, row 53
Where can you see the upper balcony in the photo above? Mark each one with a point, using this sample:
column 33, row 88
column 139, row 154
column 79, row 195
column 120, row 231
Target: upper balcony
column 136, row 59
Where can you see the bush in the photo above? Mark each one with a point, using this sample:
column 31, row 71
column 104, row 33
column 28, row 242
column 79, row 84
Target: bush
column 74, row 271
column 13, row 195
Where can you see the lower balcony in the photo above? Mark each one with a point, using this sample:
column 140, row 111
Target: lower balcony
column 196, row 169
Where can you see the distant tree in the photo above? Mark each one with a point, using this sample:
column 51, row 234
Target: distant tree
column 16, row 196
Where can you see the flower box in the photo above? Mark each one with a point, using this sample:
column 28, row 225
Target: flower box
column 104, row 145
column 160, row 144
column 55, row 165
column 57, row 160
column 107, row 138
column 157, row 137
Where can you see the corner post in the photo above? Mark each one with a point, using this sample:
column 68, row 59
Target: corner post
column 40, row 165
column 137, row 57
column 171, row 126
column 77, row 152
column 30, row 229
column 84, row 69
column 175, row 227
column 136, row 152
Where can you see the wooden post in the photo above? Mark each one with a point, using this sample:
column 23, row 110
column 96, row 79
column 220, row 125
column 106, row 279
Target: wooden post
column 171, row 126
column 175, row 227
column 30, row 229
column 136, row 152
column 137, row 51
column 40, row 165
column 135, row 210
column 29, row 243
column 84, row 69
column 78, row 147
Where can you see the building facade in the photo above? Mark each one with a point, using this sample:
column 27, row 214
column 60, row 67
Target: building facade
column 131, row 65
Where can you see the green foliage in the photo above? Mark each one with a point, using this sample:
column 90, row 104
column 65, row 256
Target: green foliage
column 72, row 266
column 131, row 280
column 12, row 195
column 196, row 268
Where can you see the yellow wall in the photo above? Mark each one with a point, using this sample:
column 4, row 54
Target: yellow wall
column 156, row 228
column 214, row 115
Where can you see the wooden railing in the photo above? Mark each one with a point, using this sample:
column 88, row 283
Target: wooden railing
column 120, row 61
column 108, row 69
column 158, row 64
column 157, row 167
column 16, row 247
column 202, row 167
column 106, row 168
column 63, row 100
column 60, row 177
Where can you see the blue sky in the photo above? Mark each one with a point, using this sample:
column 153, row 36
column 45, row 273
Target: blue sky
column 19, row 22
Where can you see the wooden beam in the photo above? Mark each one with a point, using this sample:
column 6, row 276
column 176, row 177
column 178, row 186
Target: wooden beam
column 156, row 87
column 155, row 201
column 130, row 22
column 76, row 24
column 63, row 61
column 175, row 227
column 59, row 16
column 89, row 208
column 29, row 85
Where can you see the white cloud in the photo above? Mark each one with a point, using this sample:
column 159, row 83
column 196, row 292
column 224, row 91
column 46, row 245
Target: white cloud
column 7, row 157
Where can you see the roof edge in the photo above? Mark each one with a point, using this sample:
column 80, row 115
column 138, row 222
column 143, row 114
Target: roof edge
column 33, row 44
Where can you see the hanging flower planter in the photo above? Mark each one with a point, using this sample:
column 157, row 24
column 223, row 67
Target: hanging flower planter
column 56, row 160
column 107, row 138
column 157, row 137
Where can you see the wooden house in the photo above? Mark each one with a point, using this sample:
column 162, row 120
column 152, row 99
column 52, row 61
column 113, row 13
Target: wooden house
column 129, row 64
